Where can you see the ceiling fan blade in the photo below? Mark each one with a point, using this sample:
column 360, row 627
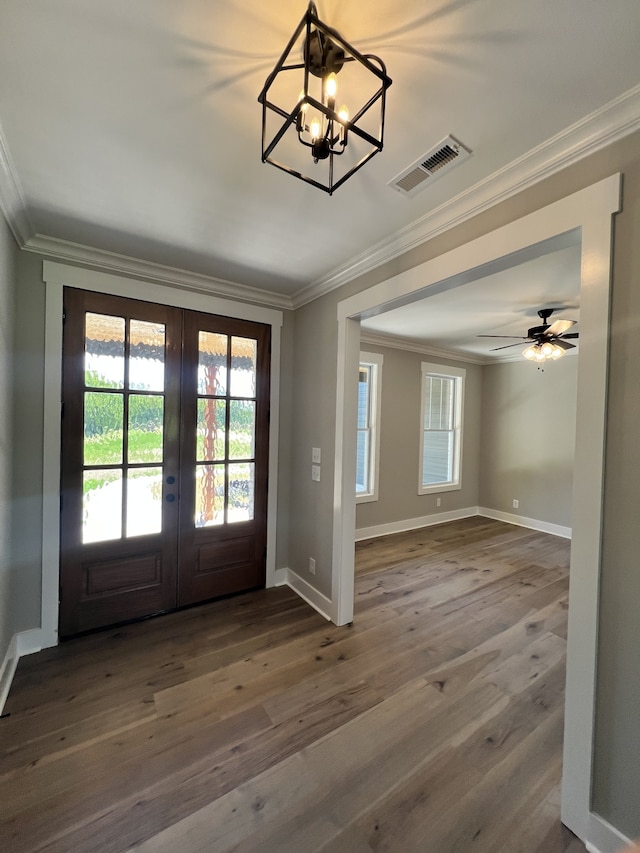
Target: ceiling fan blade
column 503, row 336
column 558, row 327
column 506, row 346
column 572, row 335
column 563, row 344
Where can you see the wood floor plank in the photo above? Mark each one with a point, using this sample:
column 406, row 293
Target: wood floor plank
column 251, row 724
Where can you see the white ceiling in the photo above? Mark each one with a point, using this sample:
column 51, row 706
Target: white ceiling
column 132, row 126
column 502, row 303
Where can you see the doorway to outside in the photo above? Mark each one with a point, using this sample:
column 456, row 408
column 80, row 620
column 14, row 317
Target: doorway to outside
column 165, row 440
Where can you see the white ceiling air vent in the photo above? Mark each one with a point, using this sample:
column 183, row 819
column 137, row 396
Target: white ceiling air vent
column 438, row 161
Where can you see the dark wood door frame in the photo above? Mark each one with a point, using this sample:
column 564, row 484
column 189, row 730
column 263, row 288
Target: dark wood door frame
column 107, row 582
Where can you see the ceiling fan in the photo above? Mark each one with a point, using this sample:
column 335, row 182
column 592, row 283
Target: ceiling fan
column 547, row 340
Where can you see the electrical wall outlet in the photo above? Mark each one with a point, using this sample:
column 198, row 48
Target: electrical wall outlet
column 516, row 503
column 315, row 473
column 312, row 565
column 438, row 501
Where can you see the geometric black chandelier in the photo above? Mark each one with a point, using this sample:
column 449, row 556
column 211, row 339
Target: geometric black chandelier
column 316, row 125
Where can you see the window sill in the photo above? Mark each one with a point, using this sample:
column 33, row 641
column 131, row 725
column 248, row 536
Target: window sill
column 439, row 487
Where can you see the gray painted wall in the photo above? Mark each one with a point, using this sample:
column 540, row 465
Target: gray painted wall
column 313, row 418
column 8, row 275
column 28, row 439
column 528, row 439
column 400, row 442
column 519, row 441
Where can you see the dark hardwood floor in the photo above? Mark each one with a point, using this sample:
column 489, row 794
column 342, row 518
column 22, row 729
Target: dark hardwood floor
column 433, row 724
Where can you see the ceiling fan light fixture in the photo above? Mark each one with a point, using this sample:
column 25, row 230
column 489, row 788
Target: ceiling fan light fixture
column 541, row 351
column 557, row 353
column 337, row 143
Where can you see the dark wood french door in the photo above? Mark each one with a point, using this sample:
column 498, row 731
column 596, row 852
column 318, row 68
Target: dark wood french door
column 164, row 458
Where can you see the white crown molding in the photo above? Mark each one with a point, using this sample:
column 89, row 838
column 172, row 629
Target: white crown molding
column 125, row 265
column 607, row 125
column 12, row 201
column 411, row 345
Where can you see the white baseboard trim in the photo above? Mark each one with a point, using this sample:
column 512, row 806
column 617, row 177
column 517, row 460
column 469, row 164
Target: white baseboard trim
column 23, row 643
column 604, row 838
column 7, row 670
column 453, row 515
column 414, row 523
column 30, row 642
column 309, row 594
column 522, row 521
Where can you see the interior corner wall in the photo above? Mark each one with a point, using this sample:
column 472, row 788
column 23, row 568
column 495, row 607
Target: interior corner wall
column 9, row 617
column 617, row 744
column 314, row 381
column 399, row 469
column 528, row 439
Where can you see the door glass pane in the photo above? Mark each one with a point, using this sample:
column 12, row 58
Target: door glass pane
column 211, row 429
column 212, row 363
column 146, row 356
column 104, row 351
column 146, row 413
column 144, row 501
column 242, row 416
column 209, row 495
column 103, row 413
column 243, row 367
column 101, row 505
column 241, row 486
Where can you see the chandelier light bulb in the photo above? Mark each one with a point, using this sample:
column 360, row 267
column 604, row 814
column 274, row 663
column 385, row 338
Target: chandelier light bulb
column 331, row 86
column 302, row 110
column 343, row 113
column 314, row 127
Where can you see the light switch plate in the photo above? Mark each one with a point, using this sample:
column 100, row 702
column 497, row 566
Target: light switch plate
column 315, row 455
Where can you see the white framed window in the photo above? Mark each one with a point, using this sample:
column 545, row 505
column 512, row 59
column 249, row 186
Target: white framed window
column 441, row 412
column 368, row 446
